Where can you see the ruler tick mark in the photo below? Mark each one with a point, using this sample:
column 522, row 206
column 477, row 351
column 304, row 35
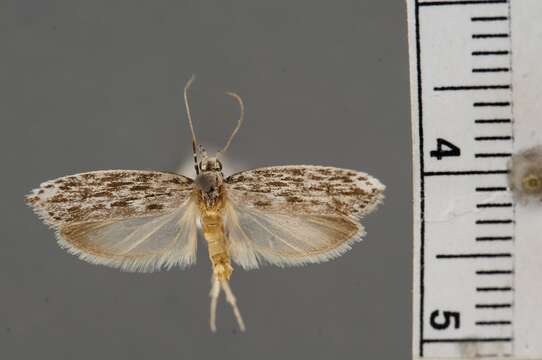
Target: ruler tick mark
column 464, row 2
column 465, row 172
column 492, row 104
column 491, row 138
column 490, row 52
column 494, row 205
column 489, row 36
column 494, row 238
column 461, row 340
column 493, row 288
column 474, row 256
column 494, row 272
column 493, row 121
column 489, row 18
column 494, row 221
column 492, row 155
column 491, row 188
column 471, row 87
column 487, row 70
column 493, row 322
column 490, row 70
column 494, row 306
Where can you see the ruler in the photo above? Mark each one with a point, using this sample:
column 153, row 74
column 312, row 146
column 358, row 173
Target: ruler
column 476, row 89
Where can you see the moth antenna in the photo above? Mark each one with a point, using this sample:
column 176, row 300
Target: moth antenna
column 214, row 293
column 230, row 298
column 194, row 142
column 202, row 152
column 239, row 122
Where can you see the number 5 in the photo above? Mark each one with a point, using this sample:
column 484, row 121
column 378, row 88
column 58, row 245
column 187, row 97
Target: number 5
column 447, row 318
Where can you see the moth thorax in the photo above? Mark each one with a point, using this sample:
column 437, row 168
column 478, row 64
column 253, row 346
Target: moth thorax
column 209, row 181
column 210, row 185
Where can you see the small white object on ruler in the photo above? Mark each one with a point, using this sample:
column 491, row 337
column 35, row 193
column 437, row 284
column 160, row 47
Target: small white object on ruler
column 476, row 100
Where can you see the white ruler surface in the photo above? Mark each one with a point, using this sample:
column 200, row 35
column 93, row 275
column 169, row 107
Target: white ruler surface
column 476, row 84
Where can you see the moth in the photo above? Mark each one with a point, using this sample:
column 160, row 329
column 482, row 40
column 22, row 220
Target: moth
column 148, row 220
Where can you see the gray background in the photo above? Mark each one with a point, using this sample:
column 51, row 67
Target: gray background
column 97, row 85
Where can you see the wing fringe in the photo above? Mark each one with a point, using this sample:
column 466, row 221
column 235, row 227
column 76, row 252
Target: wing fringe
column 142, row 264
column 249, row 254
column 177, row 253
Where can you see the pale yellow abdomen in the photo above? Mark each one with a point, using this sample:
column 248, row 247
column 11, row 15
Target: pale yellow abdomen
column 212, row 222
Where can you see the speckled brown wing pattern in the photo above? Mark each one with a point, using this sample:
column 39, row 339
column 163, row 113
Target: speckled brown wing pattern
column 108, row 195
column 306, row 189
column 295, row 215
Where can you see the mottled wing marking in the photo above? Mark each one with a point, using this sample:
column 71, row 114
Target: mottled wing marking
column 257, row 236
column 111, row 194
column 136, row 244
column 134, row 220
column 306, row 189
column 292, row 215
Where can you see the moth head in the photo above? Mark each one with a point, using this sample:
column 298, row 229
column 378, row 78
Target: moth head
column 206, row 162
column 210, row 164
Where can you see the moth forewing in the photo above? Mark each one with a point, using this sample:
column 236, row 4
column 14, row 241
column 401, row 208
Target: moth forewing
column 307, row 189
column 108, row 195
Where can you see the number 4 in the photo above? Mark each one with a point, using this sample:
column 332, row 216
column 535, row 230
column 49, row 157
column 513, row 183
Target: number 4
column 445, row 148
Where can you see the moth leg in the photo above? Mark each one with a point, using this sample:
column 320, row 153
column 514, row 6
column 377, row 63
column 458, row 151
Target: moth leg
column 214, row 293
column 230, row 298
